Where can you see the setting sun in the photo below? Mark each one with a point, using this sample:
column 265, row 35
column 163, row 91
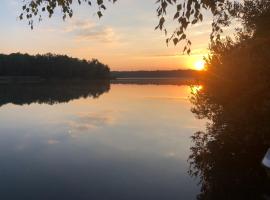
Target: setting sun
column 199, row 65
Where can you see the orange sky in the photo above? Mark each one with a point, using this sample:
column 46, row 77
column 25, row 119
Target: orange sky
column 124, row 38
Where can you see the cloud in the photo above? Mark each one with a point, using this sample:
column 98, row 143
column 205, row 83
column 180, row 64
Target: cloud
column 102, row 34
column 85, row 30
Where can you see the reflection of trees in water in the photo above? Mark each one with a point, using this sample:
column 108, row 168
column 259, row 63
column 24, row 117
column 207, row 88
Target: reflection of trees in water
column 51, row 92
column 227, row 157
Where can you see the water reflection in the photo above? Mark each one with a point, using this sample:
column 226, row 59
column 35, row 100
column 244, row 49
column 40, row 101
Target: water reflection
column 131, row 143
column 227, row 156
column 51, row 92
column 65, row 91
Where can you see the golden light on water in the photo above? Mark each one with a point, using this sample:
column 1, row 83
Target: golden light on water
column 199, row 65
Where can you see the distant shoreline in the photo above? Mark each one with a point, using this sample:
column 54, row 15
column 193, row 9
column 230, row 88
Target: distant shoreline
column 157, row 74
column 175, row 77
column 9, row 80
column 157, row 81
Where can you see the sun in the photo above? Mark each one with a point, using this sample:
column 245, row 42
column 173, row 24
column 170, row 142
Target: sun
column 199, row 65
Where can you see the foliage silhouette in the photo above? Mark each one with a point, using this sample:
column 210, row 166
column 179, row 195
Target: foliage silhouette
column 235, row 99
column 186, row 14
column 50, row 66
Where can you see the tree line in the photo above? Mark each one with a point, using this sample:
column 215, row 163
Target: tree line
column 52, row 66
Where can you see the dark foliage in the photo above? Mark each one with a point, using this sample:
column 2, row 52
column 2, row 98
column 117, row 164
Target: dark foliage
column 50, row 66
column 235, row 100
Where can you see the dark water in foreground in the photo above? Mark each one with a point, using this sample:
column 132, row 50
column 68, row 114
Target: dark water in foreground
column 96, row 142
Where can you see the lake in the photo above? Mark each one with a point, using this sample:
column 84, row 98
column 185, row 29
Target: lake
column 120, row 141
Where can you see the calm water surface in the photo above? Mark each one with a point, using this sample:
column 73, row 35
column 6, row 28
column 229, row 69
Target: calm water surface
column 132, row 142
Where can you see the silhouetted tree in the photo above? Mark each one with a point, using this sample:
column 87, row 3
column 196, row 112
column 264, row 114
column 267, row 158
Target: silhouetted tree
column 236, row 101
column 51, row 66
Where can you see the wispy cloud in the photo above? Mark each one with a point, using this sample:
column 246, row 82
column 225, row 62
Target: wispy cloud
column 86, row 30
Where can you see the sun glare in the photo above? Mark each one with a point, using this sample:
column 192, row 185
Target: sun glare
column 199, row 65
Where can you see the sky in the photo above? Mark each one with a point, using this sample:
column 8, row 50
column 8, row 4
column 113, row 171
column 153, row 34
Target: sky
column 124, row 38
